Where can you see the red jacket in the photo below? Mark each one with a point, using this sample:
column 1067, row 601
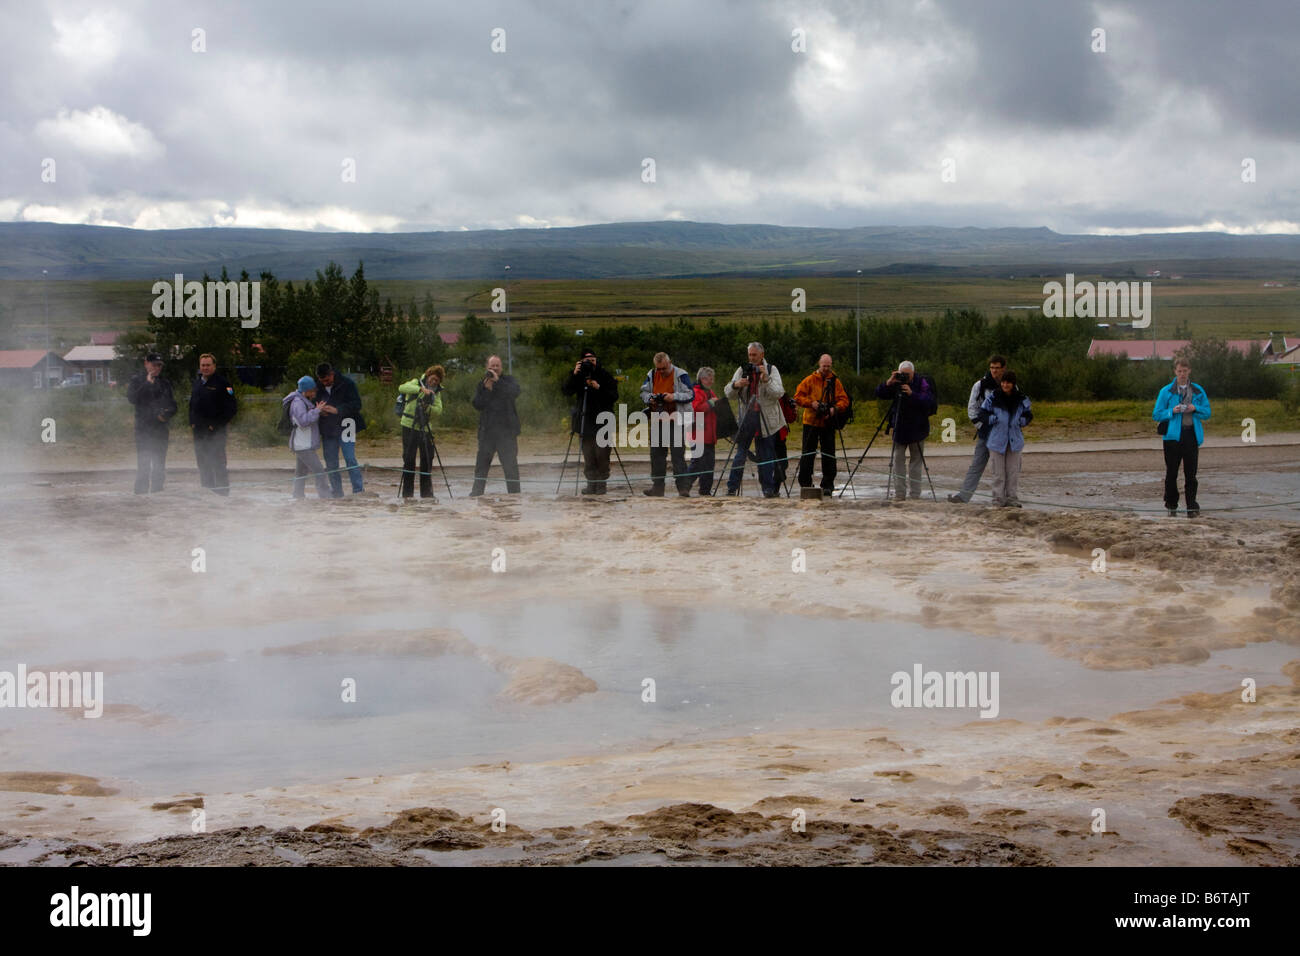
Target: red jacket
column 701, row 404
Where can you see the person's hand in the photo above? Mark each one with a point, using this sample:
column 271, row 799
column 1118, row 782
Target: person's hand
column 321, row 406
column 741, row 383
column 906, row 389
column 593, row 383
column 330, row 409
column 577, row 368
column 489, row 382
column 762, row 373
column 425, row 391
column 150, row 377
column 162, row 418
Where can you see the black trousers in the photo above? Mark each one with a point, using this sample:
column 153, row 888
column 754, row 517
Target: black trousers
column 411, row 443
column 659, row 456
column 505, row 446
column 1184, row 452
column 210, row 453
column 595, row 460
column 150, row 459
column 705, row 465
column 815, row 436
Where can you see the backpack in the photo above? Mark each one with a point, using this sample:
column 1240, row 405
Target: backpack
column 399, row 407
column 838, row 419
column 285, row 425
column 788, row 409
column 726, row 426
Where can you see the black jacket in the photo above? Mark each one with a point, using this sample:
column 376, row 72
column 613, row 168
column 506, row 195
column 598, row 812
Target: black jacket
column 344, row 396
column 151, row 400
column 212, row 404
column 599, row 400
column 496, row 407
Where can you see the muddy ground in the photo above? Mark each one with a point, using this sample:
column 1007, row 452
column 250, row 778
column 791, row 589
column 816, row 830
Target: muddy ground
column 1200, row 778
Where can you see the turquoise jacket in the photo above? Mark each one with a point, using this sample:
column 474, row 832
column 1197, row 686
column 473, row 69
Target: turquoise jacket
column 1164, row 411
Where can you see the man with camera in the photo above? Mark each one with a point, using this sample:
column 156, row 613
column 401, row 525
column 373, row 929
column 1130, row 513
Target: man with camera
column 498, row 427
column 665, row 387
column 757, row 386
column 824, row 400
column 423, row 401
column 914, row 401
column 596, row 391
column 151, row 394
column 981, row 390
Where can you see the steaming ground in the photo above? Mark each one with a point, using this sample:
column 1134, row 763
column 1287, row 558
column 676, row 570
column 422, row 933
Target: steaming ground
column 98, row 576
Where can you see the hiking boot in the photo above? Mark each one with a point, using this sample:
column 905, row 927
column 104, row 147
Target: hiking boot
column 655, row 492
column 1193, row 512
column 1173, row 512
column 732, row 492
column 957, row 499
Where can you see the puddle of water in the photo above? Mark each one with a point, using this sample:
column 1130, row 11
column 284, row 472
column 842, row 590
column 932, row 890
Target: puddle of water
column 249, row 720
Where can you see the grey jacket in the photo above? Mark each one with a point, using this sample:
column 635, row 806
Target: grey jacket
column 769, row 400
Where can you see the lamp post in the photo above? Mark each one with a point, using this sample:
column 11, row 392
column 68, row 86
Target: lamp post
column 45, row 294
column 857, row 317
column 510, row 359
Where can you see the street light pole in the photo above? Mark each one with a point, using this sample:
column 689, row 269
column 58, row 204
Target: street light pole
column 857, row 316
column 510, row 358
column 45, row 294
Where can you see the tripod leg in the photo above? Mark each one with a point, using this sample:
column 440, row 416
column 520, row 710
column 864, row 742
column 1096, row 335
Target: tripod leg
column 926, row 465
column 726, row 466
column 863, row 455
column 619, row 458
column 434, row 445
column 565, row 464
column 845, row 450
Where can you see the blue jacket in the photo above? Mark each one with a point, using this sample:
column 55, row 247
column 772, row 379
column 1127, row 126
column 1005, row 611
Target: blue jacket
column 1164, row 411
column 1003, row 422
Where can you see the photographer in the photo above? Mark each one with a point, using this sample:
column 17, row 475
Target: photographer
column 151, row 394
column 498, row 427
column 665, row 387
column 422, row 400
column 757, row 385
column 981, row 390
column 914, row 402
column 822, row 397
column 596, row 391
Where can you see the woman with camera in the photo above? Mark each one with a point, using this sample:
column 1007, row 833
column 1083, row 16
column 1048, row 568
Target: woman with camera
column 423, row 401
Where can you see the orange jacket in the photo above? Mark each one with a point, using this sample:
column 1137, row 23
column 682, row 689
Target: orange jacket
column 810, row 392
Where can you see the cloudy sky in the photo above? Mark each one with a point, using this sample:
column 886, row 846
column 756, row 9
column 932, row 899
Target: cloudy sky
column 803, row 113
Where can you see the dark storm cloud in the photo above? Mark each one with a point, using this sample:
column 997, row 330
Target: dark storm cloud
column 447, row 134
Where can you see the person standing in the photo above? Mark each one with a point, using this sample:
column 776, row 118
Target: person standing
column 339, row 392
column 705, row 403
column 665, row 388
column 423, row 396
column 212, row 406
column 916, row 401
column 596, row 392
column 1180, row 408
column 498, row 427
column 151, row 394
column 1006, row 411
column 757, row 386
column 981, row 390
column 305, row 413
column 821, row 396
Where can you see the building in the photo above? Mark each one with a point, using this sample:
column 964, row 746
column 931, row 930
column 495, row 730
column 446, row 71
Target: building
column 1139, row 350
column 93, row 361
column 32, row 368
column 104, row 338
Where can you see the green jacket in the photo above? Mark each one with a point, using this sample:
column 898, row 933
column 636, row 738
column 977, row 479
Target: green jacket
column 411, row 389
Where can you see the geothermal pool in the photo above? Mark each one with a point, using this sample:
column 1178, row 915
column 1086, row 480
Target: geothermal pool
column 219, row 710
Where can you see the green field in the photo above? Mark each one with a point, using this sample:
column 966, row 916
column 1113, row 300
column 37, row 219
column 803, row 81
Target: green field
column 1228, row 308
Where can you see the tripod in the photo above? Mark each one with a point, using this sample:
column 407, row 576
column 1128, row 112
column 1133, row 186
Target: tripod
column 891, row 416
column 421, row 418
column 582, row 434
column 893, row 411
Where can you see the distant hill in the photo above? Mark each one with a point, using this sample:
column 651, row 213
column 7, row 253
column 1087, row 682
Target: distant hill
column 626, row 250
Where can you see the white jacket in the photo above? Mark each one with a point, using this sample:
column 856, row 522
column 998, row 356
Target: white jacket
column 769, row 400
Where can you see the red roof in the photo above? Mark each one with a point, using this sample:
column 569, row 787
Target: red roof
column 449, row 338
column 103, row 338
column 1164, row 348
column 22, row 358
